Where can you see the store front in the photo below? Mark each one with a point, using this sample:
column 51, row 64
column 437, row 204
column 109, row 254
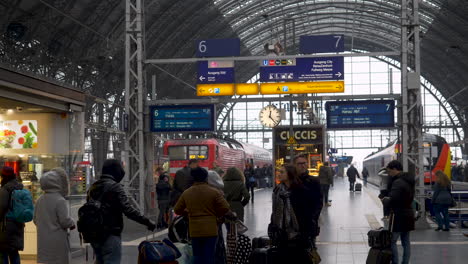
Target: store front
column 41, row 127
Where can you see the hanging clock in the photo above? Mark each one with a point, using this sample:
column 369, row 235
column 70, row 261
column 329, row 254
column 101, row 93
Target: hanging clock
column 270, row 116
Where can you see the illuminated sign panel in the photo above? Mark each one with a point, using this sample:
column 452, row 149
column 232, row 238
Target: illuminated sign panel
column 168, row 118
column 221, row 89
column 302, row 87
column 247, row 88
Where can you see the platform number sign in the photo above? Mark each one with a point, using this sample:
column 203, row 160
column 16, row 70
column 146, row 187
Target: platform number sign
column 218, row 47
column 321, row 44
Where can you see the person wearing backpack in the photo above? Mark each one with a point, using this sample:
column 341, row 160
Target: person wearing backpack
column 11, row 226
column 52, row 218
column 100, row 220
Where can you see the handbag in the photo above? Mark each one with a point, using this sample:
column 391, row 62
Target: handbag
column 157, row 251
column 314, row 256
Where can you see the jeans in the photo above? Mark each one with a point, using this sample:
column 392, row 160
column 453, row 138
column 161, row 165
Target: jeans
column 405, row 242
column 11, row 257
column 163, row 209
column 251, row 188
column 351, row 186
column 325, row 188
column 441, row 215
column 109, row 251
column 204, row 249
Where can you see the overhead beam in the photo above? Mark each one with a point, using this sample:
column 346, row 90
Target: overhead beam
column 271, row 99
column 259, row 58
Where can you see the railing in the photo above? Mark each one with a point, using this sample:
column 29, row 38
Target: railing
column 458, row 196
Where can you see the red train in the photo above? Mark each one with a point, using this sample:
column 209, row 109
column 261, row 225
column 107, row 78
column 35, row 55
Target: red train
column 225, row 152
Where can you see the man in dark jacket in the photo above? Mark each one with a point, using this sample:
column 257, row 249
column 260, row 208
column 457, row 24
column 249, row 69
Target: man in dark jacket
column 116, row 202
column 400, row 201
column 352, row 173
column 183, row 180
column 307, row 200
column 163, row 189
column 326, row 179
column 11, row 232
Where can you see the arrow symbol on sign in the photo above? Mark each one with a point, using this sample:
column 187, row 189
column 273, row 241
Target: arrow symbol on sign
column 338, row 74
column 202, row 78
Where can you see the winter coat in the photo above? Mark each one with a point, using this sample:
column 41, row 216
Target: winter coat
column 442, row 195
column 163, row 188
column 116, row 202
column 203, row 204
column 52, row 218
column 11, row 232
column 236, row 192
column 365, row 173
column 325, row 175
column 400, row 200
column 182, row 181
column 352, row 173
column 307, row 203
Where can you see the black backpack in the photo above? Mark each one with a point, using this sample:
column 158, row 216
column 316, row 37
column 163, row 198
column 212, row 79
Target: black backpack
column 91, row 224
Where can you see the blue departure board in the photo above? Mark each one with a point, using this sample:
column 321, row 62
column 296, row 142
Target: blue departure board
column 169, row 118
column 360, row 114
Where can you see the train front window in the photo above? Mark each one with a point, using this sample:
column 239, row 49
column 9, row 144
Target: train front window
column 177, row 153
column 198, row 152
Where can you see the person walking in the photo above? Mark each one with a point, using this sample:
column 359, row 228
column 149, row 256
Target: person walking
column 352, row 173
column 365, row 175
column 235, row 191
column 441, row 200
column 284, row 230
column 400, row 199
column 52, row 218
column 11, row 232
column 203, row 205
column 249, row 175
column 163, row 190
column 307, row 199
column 110, row 193
column 183, row 180
column 326, row 179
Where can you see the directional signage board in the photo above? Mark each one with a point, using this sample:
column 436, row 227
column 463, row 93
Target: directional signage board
column 302, row 87
column 321, row 44
column 221, row 89
column 167, row 118
column 304, row 69
column 218, row 47
column 247, row 88
column 360, row 114
column 207, row 74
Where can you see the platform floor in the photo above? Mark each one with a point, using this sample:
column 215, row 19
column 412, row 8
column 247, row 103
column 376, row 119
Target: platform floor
column 344, row 227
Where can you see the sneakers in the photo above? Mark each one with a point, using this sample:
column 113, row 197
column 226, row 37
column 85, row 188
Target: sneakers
column 328, row 204
column 438, row 229
column 445, row 229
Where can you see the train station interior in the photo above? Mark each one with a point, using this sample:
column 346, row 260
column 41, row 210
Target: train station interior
column 241, row 83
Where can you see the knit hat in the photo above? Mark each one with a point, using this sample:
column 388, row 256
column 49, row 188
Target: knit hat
column 199, row 174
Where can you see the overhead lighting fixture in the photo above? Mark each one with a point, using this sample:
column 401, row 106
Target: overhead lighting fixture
column 10, row 111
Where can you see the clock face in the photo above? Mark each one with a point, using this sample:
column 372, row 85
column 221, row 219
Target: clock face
column 270, row 116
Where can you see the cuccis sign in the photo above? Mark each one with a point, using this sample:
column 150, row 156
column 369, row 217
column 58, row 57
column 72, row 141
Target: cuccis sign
column 302, row 134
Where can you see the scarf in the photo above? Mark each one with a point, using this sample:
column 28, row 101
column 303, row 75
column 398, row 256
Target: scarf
column 283, row 215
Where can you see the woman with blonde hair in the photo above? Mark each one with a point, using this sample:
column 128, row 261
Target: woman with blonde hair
column 441, row 200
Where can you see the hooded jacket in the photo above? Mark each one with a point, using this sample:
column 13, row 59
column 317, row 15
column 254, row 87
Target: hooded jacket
column 114, row 199
column 352, row 173
column 163, row 188
column 400, row 200
column 51, row 216
column 235, row 191
column 11, row 233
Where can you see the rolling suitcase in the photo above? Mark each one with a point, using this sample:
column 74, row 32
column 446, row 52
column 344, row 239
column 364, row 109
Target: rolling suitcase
column 261, row 242
column 358, row 187
column 379, row 238
column 379, row 256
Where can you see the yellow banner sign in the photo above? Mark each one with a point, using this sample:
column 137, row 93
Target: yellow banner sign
column 247, row 88
column 302, row 87
column 221, row 89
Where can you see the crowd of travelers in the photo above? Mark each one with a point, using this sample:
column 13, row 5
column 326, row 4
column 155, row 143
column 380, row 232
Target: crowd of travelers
column 208, row 199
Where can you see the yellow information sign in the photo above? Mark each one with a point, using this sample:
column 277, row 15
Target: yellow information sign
column 220, row 89
column 247, row 88
column 292, row 140
column 302, row 87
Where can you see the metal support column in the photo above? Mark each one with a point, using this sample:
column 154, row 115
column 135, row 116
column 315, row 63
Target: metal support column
column 135, row 170
column 412, row 110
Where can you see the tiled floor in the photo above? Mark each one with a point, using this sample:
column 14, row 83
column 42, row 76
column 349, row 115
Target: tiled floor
column 344, row 227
